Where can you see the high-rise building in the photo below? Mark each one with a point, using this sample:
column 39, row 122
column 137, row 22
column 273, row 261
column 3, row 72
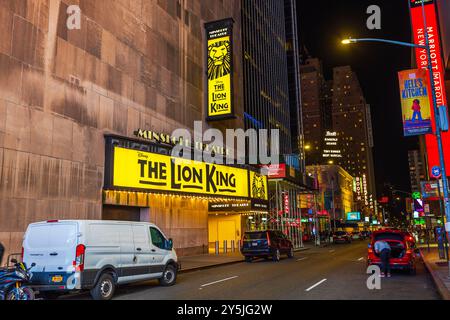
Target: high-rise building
column 417, row 171
column 352, row 121
column 316, row 95
column 266, row 78
column 69, row 98
column 293, row 65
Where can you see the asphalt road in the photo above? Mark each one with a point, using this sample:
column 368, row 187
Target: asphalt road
column 334, row 272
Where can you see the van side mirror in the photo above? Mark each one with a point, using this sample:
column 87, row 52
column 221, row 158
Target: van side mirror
column 170, row 244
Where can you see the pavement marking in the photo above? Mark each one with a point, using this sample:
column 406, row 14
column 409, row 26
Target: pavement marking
column 331, row 251
column 301, row 259
column 218, row 281
column 361, row 259
column 317, row 284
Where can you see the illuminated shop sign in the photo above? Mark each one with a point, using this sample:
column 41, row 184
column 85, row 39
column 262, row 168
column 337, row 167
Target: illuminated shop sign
column 418, row 28
column 353, row 216
column 219, row 49
column 139, row 170
column 286, row 202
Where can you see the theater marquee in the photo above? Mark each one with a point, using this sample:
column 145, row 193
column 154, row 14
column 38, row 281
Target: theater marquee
column 219, row 53
column 146, row 171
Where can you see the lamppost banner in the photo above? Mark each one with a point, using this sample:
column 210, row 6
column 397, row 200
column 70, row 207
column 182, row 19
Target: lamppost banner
column 414, row 95
column 418, row 28
column 219, row 66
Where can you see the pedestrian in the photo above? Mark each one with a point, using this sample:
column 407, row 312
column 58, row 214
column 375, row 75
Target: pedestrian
column 383, row 249
column 2, row 251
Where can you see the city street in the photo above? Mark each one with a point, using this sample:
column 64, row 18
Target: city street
column 343, row 267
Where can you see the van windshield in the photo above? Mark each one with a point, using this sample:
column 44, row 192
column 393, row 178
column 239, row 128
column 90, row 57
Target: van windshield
column 57, row 236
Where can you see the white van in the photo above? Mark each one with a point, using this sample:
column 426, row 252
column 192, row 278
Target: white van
column 75, row 255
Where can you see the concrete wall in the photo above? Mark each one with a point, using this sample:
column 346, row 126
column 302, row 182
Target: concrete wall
column 134, row 63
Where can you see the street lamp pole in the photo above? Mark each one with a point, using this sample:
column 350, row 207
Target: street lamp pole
column 435, row 106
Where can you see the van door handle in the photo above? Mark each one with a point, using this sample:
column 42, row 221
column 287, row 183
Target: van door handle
column 138, row 249
column 54, row 254
column 153, row 250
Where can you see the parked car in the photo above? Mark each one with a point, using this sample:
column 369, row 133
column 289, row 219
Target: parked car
column 342, row 237
column 365, row 234
column 403, row 250
column 76, row 255
column 266, row 244
column 356, row 235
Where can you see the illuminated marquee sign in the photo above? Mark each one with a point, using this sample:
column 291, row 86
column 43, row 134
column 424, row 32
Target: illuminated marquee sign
column 365, row 191
column 418, row 29
column 358, row 189
column 219, row 53
column 165, row 138
column 331, row 146
column 139, row 170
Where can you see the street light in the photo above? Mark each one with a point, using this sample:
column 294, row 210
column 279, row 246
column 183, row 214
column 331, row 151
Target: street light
column 435, row 106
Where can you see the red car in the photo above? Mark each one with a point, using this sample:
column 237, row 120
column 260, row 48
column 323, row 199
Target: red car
column 403, row 250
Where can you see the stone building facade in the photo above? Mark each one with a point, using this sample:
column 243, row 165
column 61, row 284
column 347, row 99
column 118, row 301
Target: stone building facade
column 133, row 64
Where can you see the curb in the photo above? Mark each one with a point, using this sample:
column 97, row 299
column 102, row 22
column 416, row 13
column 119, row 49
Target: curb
column 210, row 266
column 442, row 289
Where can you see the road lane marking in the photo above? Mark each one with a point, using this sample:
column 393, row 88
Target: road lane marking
column 301, row 259
column 317, row 284
column 218, row 281
column 331, row 251
column 361, row 259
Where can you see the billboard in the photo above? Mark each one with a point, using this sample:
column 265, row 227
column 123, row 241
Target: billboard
column 415, row 101
column 219, row 66
column 146, row 171
column 418, row 29
column 353, row 216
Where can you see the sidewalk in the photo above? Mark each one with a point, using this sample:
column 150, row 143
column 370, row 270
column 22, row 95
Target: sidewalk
column 438, row 269
column 206, row 261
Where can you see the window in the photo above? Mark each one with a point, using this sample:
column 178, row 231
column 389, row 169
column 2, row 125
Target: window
column 158, row 239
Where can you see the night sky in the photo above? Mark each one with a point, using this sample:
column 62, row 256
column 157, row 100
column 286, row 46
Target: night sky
column 323, row 24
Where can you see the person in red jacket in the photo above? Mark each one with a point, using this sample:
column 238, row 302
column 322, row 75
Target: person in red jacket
column 416, row 108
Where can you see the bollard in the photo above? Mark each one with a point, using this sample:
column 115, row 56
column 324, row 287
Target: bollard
column 232, row 246
column 216, row 244
column 225, row 246
column 239, row 245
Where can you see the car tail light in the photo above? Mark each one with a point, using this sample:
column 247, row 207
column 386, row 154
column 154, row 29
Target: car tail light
column 79, row 257
column 268, row 239
column 52, row 221
column 22, row 253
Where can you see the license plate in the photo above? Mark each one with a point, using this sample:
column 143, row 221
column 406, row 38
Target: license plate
column 255, row 244
column 57, row 279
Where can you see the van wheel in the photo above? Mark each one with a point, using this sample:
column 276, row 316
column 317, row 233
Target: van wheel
column 169, row 276
column 105, row 287
column 276, row 255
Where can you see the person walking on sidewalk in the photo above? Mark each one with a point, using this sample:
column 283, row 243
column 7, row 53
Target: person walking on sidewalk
column 383, row 249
